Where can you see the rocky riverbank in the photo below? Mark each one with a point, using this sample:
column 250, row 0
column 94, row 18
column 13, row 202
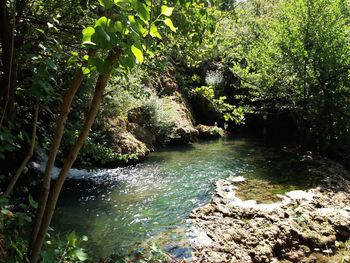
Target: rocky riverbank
column 135, row 136
column 303, row 226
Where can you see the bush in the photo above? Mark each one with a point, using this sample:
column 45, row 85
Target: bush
column 161, row 116
column 96, row 154
column 13, row 248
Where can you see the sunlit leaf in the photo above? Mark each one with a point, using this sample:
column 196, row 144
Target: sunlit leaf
column 137, row 53
column 170, row 24
column 80, row 254
column 154, row 32
column 86, row 70
column 87, row 33
column 136, row 26
column 118, row 26
column 102, row 21
column 167, row 11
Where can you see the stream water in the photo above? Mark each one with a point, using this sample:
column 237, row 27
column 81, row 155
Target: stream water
column 123, row 209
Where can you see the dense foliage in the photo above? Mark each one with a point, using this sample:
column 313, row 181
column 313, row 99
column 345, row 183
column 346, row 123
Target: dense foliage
column 293, row 56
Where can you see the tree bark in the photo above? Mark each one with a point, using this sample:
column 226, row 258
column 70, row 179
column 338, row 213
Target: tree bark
column 9, row 61
column 52, row 201
column 60, row 124
column 30, row 152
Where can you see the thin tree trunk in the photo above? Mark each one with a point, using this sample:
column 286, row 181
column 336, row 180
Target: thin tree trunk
column 61, row 122
column 52, row 201
column 30, row 152
column 9, row 61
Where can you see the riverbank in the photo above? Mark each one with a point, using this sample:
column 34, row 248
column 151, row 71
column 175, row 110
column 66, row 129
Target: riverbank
column 302, row 226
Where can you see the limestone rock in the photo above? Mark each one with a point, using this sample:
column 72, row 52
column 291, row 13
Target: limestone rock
column 128, row 144
column 209, row 132
column 183, row 130
column 291, row 229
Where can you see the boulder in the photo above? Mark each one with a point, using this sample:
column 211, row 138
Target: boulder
column 127, row 143
column 209, row 132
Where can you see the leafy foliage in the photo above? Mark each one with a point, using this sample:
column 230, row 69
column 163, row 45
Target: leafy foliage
column 229, row 111
column 293, row 56
column 13, row 222
column 68, row 250
column 161, row 116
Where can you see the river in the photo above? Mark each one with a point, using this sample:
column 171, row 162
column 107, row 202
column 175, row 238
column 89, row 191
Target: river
column 123, row 209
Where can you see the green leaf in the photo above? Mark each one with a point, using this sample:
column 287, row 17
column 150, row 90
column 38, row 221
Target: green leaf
column 142, row 10
column 101, row 66
column 118, row 26
column 137, row 53
column 166, row 10
column 86, row 70
column 80, row 254
column 5, row 211
column 101, row 38
column 52, row 65
column 72, row 239
column 87, row 33
column 40, row 30
column 102, row 21
column 150, row 53
column 106, row 3
column 154, row 32
column 32, row 202
column 127, row 61
column 170, row 24
column 136, row 26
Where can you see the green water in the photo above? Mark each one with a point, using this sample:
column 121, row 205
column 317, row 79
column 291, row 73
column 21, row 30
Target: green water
column 122, row 209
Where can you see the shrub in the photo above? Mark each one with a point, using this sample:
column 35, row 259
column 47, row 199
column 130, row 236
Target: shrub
column 161, row 116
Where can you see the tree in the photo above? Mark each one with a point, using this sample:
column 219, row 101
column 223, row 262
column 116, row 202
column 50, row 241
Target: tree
column 124, row 32
column 299, row 62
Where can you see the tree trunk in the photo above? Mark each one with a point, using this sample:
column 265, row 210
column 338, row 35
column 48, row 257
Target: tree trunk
column 61, row 122
column 9, row 62
column 30, row 152
column 52, row 201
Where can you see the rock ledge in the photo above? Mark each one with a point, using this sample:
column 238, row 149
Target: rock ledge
column 295, row 229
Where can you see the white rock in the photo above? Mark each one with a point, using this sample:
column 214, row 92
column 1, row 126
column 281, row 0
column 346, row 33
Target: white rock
column 198, row 237
column 300, row 195
column 235, row 179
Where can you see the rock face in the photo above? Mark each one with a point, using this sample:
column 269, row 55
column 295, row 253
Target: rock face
column 205, row 111
column 302, row 223
column 183, row 130
column 130, row 138
column 136, row 135
column 209, row 132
